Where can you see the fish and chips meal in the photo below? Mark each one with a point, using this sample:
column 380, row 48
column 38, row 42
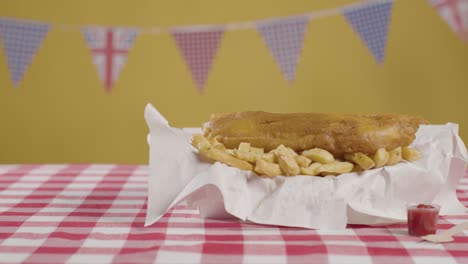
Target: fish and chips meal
column 315, row 144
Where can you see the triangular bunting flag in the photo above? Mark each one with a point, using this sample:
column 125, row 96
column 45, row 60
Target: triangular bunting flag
column 371, row 22
column 109, row 47
column 199, row 50
column 285, row 38
column 455, row 14
column 21, row 40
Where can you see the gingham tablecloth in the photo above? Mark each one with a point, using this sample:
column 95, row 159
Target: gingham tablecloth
column 95, row 214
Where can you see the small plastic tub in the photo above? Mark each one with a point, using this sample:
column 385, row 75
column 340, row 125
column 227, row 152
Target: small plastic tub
column 422, row 219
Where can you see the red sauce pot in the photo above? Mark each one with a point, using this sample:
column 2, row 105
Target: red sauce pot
column 422, row 219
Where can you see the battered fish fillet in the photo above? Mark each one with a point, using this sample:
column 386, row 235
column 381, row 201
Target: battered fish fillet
column 337, row 133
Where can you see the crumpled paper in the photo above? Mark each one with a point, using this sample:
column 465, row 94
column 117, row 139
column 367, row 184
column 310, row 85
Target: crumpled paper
column 374, row 197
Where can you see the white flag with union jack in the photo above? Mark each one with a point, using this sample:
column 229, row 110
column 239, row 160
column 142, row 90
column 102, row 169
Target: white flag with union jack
column 109, row 47
column 455, row 14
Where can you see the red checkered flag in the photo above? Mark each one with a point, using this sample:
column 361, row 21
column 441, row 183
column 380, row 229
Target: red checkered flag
column 455, row 14
column 109, row 47
column 199, row 49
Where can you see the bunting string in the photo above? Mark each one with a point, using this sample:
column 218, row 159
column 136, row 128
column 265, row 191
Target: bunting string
column 252, row 24
column 284, row 37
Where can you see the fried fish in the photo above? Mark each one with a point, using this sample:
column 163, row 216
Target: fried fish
column 339, row 134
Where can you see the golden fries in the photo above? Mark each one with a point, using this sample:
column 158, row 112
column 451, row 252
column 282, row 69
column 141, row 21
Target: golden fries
column 410, row 154
column 394, row 156
column 247, row 156
column 312, row 170
column 229, row 151
column 381, row 157
column 207, row 150
column 257, row 150
column 361, row 159
column 285, row 161
column 289, row 165
column 282, row 150
column 270, row 157
column 199, row 141
column 267, row 168
column 302, row 161
column 216, row 144
column 244, row 147
column 335, row 168
column 318, row 155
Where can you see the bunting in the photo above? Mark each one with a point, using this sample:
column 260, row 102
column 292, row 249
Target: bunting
column 198, row 48
column 285, row 38
column 198, row 44
column 371, row 24
column 455, row 14
column 21, row 40
column 109, row 47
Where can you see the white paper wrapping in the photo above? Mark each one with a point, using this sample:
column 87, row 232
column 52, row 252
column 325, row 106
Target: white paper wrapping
column 377, row 196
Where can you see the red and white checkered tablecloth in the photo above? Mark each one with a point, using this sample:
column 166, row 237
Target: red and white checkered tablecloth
column 95, row 214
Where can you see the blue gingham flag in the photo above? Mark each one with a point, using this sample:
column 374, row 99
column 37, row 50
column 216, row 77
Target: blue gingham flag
column 285, row 38
column 371, row 23
column 21, row 41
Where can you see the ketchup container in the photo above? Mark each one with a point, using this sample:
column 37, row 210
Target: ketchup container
column 422, row 219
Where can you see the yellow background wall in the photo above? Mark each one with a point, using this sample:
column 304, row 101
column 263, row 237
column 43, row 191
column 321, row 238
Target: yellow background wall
column 60, row 112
